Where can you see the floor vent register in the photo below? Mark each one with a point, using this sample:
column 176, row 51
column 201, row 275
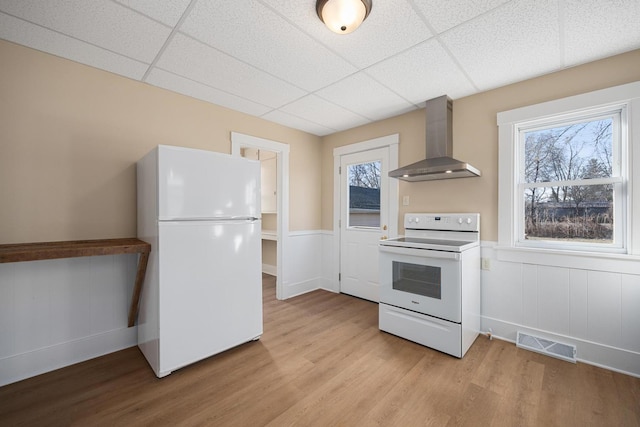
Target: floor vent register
column 544, row 346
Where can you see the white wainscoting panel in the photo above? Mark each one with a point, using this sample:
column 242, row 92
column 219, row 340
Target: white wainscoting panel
column 578, row 303
column 604, row 307
column 596, row 310
column 55, row 313
column 553, row 313
column 630, row 319
column 529, row 282
column 303, row 267
column 329, row 270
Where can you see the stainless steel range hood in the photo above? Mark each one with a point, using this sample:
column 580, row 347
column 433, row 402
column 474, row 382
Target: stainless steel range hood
column 439, row 164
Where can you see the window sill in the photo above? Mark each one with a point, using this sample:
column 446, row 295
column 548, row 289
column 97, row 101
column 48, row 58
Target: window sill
column 614, row 263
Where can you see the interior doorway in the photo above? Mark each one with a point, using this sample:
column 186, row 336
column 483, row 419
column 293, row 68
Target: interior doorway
column 269, row 205
column 274, row 200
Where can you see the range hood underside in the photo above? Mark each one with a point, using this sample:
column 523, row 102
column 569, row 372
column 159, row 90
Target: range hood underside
column 435, row 169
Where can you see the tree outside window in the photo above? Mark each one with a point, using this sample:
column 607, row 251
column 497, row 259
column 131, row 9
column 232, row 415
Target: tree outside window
column 568, row 182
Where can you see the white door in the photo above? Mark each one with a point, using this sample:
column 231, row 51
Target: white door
column 364, row 220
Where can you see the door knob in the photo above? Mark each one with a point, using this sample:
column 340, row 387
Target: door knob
column 384, row 227
column 383, row 238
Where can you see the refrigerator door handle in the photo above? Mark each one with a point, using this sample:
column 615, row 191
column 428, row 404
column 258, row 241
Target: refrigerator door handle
column 217, row 219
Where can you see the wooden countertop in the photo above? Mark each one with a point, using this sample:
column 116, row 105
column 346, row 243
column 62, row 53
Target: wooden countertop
column 81, row 248
column 71, row 249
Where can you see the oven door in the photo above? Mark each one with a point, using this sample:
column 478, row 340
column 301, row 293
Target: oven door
column 422, row 280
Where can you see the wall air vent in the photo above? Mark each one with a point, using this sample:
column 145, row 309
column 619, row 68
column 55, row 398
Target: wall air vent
column 562, row 351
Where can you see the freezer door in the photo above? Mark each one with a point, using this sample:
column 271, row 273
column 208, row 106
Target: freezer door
column 198, row 184
column 210, row 289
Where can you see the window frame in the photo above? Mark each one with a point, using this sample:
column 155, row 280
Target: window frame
column 511, row 219
column 619, row 178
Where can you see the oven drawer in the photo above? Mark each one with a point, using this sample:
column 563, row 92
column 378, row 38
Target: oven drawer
column 426, row 330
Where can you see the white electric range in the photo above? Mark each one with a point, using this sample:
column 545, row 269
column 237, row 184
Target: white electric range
column 430, row 281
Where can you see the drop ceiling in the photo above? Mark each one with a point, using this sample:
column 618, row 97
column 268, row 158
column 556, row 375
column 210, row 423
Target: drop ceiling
column 275, row 59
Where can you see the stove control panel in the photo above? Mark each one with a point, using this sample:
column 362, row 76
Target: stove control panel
column 445, row 221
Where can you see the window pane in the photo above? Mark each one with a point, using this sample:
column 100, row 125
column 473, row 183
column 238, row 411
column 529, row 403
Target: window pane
column 569, row 152
column 364, row 195
column 574, row 213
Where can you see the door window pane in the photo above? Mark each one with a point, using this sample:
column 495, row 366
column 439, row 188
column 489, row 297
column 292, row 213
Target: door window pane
column 364, row 194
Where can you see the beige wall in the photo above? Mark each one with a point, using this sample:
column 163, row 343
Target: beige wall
column 475, row 136
column 70, row 136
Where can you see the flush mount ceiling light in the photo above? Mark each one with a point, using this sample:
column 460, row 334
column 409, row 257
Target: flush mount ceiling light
column 343, row 16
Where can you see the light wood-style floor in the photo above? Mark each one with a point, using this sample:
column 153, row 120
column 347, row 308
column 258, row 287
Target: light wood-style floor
column 323, row 362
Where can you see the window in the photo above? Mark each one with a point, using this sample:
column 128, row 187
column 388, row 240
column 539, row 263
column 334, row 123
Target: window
column 566, row 179
column 570, row 184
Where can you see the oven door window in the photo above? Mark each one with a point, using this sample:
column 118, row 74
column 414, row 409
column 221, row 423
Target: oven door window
column 425, row 280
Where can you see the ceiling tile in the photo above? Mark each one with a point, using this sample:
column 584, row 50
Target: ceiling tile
column 36, row 37
column 391, row 27
column 255, row 34
column 515, row 42
column 443, row 15
column 317, row 110
column 257, row 56
column 100, row 22
column 423, row 72
column 587, row 21
column 197, row 90
column 295, row 122
column 168, row 12
column 365, row 96
column 197, row 61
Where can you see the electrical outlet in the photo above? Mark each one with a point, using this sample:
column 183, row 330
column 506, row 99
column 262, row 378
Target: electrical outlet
column 486, row 264
column 405, row 201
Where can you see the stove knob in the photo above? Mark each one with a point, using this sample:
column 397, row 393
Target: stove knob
column 468, row 220
column 417, row 220
column 459, row 220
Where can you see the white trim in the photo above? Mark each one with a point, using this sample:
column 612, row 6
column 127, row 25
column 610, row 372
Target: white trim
column 612, row 263
column 390, row 141
column 601, row 355
column 613, row 95
column 270, row 269
column 31, row 363
column 305, row 233
column 508, row 122
column 367, row 145
column 304, row 287
column 239, row 141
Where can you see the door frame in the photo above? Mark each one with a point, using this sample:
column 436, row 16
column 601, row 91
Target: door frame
column 390, row 141
column 239, row 141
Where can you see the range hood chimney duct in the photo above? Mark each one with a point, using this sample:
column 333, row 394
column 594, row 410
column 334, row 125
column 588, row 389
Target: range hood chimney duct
column 439, row 163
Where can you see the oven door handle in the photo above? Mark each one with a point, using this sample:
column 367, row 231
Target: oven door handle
column 424, row 253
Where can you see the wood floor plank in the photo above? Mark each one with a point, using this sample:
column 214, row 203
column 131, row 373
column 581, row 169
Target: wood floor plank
column 322, row 361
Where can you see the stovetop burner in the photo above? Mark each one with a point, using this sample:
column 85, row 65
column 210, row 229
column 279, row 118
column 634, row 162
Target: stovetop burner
column 433, row 244
column 440, row 232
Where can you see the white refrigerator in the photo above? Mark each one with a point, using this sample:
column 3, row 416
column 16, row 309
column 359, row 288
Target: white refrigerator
column 202, row 295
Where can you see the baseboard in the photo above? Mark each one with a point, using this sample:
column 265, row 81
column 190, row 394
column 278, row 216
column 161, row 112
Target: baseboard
column 601, row 355
column 270, row 269
column 328, row 285
column 26, row 365
column 295, row 289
